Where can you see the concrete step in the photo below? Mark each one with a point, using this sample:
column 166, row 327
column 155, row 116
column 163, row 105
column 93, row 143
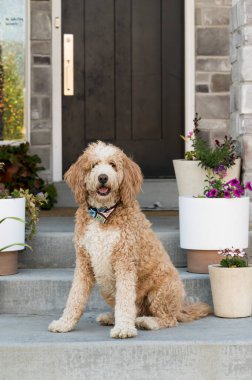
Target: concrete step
column 53, row 246
column 45, row 291
column 209, row 349
column 160, row 192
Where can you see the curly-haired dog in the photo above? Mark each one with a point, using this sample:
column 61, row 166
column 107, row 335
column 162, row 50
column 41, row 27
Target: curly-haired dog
column 116, row 248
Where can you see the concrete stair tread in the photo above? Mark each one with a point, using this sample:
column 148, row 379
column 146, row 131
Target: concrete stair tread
column 211, row 348
column 66, row 274
column 27, row 329
column 66, row 224
column 53, row 245
column 45, row 291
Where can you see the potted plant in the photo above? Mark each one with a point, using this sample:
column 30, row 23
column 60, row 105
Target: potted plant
column 231, row 284
column 21, row 171
column 19, row 212
column 209, row 223
column 205, row 160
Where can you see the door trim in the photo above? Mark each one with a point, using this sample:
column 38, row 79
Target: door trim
column 189, row 67
column 189, row 33
column 56, row 92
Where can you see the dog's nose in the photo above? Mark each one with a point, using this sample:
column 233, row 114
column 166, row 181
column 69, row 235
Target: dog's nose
column 103, row 178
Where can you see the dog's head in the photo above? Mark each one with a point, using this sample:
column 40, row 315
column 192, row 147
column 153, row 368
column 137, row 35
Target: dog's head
column 103, row 175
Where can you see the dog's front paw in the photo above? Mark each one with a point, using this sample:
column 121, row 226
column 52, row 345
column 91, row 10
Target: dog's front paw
column 122, row 332
column 61, row 326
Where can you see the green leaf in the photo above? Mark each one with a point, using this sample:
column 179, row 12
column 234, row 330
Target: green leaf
column 12, row 245
column 13, row 218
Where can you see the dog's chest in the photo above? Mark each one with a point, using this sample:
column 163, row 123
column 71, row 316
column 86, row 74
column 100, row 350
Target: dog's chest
column 99, row 243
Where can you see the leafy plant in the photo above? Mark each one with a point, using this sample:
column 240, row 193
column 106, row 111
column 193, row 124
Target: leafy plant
column 21, row 172
column 234, row 258
column 32, row 207
column 222, row 155
column 13, row 99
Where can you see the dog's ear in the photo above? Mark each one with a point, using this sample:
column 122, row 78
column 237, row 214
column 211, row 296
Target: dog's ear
column 75, row 178
column 132, row 180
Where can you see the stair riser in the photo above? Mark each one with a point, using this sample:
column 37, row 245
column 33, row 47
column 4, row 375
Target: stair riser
column 45, row 297
column 57, row 250
column 129, row 361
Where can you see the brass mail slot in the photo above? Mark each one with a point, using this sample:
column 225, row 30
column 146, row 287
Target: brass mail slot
column 68, row 65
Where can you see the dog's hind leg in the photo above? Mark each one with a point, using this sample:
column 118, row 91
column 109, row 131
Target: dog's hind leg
column 165, row 304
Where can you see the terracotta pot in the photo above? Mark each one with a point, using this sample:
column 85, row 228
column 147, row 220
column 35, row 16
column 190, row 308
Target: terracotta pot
column 198, row 260
column 8, row 263
column 212, row 224
column 191, row 177
column 231, row 290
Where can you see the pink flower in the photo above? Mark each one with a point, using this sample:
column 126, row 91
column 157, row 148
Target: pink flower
column 189, row 135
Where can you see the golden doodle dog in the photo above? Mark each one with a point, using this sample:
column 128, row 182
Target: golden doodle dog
column 116, row 248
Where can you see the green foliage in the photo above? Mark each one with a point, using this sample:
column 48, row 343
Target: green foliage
column 233, row 262
column 33, row 204
column 20, row 171
column 190, row 155
column 13, row 99
column 220, row 154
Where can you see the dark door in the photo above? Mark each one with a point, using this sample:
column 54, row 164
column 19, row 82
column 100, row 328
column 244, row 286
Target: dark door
column 129, row 80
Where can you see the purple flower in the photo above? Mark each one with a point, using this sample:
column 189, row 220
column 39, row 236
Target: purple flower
column 220, row 171
column 237, row 193
column 212, row 193
column 248, row 186
column 227, row 194
column 234, row 182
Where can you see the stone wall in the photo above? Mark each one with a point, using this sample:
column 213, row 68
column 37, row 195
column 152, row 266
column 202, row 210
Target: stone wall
column 213, row 66
column 41, row 83
column 241, row 90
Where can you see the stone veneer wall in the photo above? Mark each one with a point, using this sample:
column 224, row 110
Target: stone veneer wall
column 41, row 83
column 213, row 66
column 241, row 90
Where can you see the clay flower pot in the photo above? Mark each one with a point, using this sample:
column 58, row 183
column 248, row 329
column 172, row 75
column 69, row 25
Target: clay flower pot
column 12, row 233
column 191, row 177
column 208, row 225
column 231, row 291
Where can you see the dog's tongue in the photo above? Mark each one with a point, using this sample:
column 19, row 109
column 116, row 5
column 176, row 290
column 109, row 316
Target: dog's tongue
column 103, row 190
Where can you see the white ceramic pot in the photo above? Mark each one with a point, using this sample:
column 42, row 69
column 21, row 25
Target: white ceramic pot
column 231, row 291
column 213, row 223
column 191, row 177
column 12, row 231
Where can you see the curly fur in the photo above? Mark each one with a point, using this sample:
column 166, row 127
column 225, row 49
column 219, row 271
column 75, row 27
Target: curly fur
column 124, row 256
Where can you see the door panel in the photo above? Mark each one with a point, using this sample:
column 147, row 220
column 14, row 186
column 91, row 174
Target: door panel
column 129, row 80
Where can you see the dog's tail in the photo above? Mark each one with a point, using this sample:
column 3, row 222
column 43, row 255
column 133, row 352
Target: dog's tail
column 191, row 312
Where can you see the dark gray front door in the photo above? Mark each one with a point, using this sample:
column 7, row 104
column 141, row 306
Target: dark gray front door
column 129, row 80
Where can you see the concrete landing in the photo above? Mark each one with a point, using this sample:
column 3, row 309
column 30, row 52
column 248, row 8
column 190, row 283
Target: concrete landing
column 208, row 349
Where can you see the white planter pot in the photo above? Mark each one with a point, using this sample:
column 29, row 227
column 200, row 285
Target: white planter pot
column 231, row 291
column 191, row 177
column 213, row 223
column 12, row 231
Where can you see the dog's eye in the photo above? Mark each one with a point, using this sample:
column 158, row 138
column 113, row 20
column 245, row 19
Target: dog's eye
column 113, row 165
column 93, row 165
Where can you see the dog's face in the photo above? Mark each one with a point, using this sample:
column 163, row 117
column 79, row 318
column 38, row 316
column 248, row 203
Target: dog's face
column 103, row 175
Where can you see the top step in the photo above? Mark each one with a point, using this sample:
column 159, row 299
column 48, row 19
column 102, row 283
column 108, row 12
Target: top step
column 161, row 194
